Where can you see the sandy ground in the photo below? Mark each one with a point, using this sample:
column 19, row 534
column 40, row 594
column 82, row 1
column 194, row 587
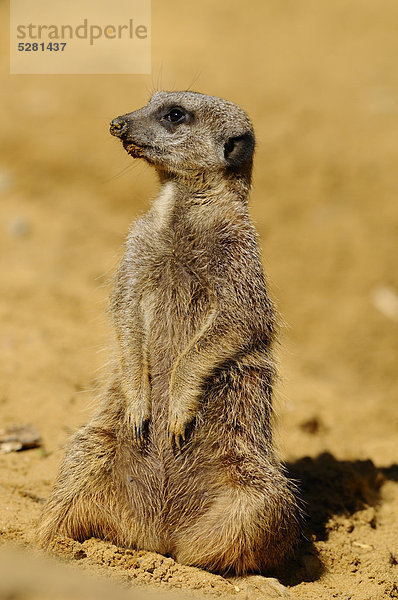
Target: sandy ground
column 320, row 82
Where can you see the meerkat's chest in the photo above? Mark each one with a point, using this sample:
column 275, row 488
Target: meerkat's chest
column 173, row 276
column 176, row 296
column 177, row 286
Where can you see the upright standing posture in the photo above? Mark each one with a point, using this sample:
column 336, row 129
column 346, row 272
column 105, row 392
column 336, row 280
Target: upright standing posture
column 179, row 459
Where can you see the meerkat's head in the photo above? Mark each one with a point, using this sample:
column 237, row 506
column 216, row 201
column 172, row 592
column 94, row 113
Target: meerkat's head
column 184, row 133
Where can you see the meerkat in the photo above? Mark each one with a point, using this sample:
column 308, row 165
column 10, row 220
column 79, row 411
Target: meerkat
column 179, row 459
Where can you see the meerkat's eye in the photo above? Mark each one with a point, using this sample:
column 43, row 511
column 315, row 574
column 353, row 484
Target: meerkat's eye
column 175, row 115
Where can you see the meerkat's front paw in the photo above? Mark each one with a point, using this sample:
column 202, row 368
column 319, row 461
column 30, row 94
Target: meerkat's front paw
column 179, row 425
column 138, row 419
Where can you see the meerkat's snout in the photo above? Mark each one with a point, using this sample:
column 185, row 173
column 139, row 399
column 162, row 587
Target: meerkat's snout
column 118, row 127
column 121, row 127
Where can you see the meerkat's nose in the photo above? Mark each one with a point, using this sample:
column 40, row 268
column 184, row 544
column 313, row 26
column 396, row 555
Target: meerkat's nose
column 118, row 127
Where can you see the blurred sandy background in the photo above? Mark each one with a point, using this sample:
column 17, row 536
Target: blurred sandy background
column 320, row 82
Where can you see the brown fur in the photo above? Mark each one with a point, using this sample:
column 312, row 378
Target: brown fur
column 179, row 459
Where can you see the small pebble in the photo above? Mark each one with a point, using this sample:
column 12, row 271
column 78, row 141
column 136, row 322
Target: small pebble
column 364, row 546
column 19, row 437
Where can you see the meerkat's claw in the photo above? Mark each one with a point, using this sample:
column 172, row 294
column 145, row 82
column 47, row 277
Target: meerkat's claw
column 178, row 431
column 139, row 426
column 141, row 431
column 176, row 440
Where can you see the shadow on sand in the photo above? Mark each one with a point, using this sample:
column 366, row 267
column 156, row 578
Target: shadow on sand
column 329, row 487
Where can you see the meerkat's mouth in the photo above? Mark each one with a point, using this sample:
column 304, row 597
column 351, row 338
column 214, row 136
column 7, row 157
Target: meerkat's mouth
column 135, row 150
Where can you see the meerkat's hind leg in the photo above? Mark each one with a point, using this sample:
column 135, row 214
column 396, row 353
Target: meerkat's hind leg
column 243, row 531
column 82, row 502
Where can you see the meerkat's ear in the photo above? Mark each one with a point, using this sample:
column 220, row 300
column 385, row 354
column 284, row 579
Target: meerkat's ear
column 239, row 149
